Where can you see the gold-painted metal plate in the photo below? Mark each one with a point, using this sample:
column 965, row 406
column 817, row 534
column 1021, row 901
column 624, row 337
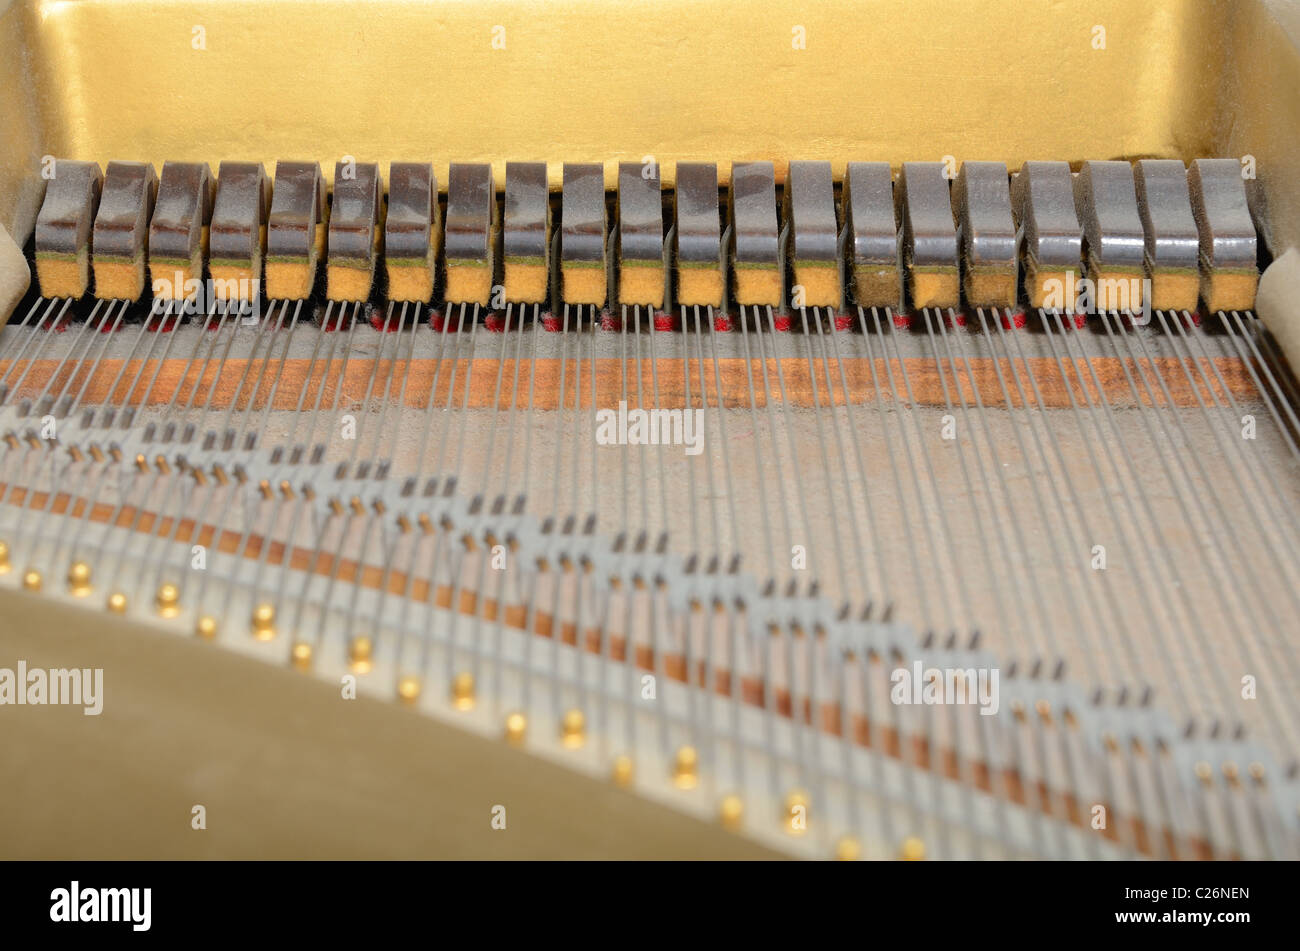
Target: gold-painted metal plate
column 594, row 80
column 292, row 771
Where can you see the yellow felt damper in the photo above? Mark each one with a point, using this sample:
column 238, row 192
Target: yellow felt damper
column 410, row 281
column 468, row 283
column 935, row 289
column 1227, row 290
column 583, row 285
column 757, row 286
column 344, row 283
column 527, row 283
column 641, row 285
column 821, row 285
column 294, row 280
column 1048, row 289
column 991, row 288
column 60, row 277
column 700, row 287
column 876, row 286
column 235, row 281
column 351, row 283
column 1120, row 289
column 119, row 280
column 1175, row 290
column 228, row 283
column 290, row 280
column 14, row 276
column 170, row 279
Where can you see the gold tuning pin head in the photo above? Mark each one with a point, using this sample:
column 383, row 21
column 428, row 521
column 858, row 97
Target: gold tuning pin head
column 462, row 691
column 516, row 728
column 408, row 690
column 795, row 817
column 79, row 579
column 360, row 654
column 168, row 600
column 848, row 849
column 573, row 728
column 623, row 771
column 300, row 656
column 912, row 850
column 686, row 765
column 264, row 621
column 731, row 812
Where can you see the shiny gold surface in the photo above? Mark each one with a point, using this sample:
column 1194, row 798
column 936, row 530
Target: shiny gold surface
column 590, row 80
column 1257, row 113
column 599, row 80
column 79, row 575
column 292, row 771
column 300, row 656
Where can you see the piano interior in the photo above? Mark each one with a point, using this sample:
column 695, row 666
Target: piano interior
column 861, row 431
